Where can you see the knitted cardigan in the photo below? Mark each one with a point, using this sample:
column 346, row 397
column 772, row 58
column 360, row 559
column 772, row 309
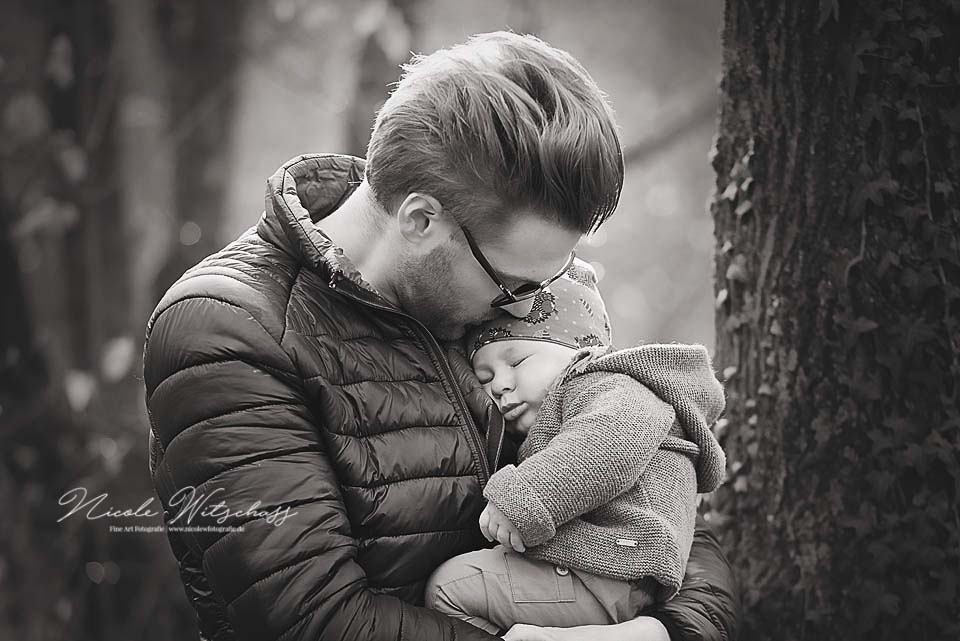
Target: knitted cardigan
column 607, row 477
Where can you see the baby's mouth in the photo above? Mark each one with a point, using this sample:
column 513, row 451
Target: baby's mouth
column 513, row 411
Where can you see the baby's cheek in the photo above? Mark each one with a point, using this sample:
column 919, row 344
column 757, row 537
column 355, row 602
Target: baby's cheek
column 526, row 421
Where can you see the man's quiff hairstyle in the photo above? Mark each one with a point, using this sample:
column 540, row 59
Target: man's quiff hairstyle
column 499, row 123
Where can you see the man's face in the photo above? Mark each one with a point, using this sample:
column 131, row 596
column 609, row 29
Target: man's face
column 448, row 290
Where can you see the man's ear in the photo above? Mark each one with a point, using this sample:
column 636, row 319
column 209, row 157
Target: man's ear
column 418, row 217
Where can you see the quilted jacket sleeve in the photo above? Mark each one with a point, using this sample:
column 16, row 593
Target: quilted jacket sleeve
column 240, row 449
column 708, row 605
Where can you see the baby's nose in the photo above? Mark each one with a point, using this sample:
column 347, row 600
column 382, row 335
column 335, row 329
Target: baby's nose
column 501, row 386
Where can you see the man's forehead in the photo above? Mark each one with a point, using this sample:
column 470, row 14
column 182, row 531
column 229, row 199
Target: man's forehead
column 533, row 249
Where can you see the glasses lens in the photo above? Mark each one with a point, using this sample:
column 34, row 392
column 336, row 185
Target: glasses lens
column 501, row 301
column 519, row 296
column 519, row 309
column 526, row 290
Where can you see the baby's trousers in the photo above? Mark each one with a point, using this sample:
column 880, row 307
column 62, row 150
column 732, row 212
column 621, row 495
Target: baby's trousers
column 495, row 588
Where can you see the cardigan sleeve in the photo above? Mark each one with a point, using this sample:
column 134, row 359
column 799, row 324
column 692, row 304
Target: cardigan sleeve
column 613, row 425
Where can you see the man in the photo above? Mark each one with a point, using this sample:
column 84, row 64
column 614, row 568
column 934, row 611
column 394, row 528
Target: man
column 303, row 386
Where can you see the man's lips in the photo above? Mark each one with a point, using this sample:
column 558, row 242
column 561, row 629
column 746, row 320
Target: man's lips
column 513, row 411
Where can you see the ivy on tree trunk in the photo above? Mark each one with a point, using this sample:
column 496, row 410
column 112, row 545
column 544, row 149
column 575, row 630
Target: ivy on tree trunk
column 837, row 220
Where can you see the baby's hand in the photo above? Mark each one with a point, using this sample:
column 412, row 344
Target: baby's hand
column 495, row 526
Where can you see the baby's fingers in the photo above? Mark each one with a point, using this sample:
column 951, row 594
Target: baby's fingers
column 516, row 541
column 485, row 525
column 503, row 536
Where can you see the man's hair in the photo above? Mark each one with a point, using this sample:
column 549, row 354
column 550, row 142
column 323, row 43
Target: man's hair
column 501, row 122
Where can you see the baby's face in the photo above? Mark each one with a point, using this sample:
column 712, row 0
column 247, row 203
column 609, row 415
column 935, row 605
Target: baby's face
column 517, row 374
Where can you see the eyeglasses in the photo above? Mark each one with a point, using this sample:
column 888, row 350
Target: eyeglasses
column 508, row 296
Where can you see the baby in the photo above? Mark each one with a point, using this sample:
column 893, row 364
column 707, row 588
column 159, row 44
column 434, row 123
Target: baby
column 596, row 520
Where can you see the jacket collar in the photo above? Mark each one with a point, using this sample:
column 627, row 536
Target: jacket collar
column 303, row 191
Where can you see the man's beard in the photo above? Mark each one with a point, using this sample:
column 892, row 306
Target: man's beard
column 429, row 299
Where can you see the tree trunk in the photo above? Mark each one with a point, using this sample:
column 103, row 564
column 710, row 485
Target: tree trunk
column 387, row 29
column 838, row 274
column 44, row 445
column 82, row 87
column 207, row 39
column 146, row 151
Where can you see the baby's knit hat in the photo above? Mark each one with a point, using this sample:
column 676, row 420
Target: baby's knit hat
column 570, row 312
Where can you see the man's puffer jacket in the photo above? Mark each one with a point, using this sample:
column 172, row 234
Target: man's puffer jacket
column 317, row 453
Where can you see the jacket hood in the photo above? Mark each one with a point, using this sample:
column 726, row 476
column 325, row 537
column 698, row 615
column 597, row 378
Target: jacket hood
column 302, row 192
column 682, row 376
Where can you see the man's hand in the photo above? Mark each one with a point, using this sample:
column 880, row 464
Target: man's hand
column 495, row 526
column 639, row 629
column 524, row 632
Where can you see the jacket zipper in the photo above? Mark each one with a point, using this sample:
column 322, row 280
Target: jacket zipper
column 460, row 404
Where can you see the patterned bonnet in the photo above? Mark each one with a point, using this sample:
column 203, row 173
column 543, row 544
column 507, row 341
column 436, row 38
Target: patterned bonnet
column 570, row 312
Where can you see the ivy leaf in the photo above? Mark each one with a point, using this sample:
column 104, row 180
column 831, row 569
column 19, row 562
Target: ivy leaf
column 866, row 385
column 942, row 448
column 944, row 75
column 909, row 157
column 907, row 113
column 864, row 45
column 822, row 429
column 890, row 15
column 872, row 191
column 733, row 323
column 918, row 333
column 881, row 480
column 862, row 325
column 890, row 603
column 792, row 358
column 721, row 297
column 924, row 35
column 871, row 111
column 943, row 187
column 737, row 271
column 912, row 455
column 889, row 258
column 952, row 117
column 852, row 67
column 730, row 193
column 828, row 8
column 910, row 214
